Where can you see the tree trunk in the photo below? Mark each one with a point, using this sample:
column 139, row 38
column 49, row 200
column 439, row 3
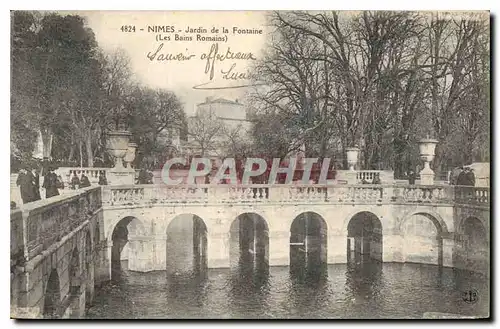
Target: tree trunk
column 80, row 148
column 88, row 148
column 47, row 142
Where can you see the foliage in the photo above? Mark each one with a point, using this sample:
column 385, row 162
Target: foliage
column 379, row 80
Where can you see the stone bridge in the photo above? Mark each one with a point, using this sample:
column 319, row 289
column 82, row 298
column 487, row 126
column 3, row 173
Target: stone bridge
column 63, row 247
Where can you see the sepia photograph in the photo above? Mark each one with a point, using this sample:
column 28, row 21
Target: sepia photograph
column 250, row 164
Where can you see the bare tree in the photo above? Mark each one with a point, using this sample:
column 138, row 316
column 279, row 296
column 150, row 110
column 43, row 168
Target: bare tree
column 205, row 130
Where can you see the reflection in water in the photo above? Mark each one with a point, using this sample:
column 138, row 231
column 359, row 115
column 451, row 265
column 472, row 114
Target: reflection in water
column 249, row 289
column 356, row 290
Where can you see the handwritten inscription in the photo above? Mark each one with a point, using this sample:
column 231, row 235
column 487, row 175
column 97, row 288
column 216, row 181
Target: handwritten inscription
column 213, row 56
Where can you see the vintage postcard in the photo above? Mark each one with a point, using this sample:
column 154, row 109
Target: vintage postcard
column 250, row 165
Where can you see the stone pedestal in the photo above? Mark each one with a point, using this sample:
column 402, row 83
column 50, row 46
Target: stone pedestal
column 350, row 177
column 279, row 248
column 123, row 176
column 427, row 148
column 427, row 177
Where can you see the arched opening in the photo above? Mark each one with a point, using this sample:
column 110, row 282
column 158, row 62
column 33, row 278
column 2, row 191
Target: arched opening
column 120, row 251
column 249, row 244
column 74, row 273
column 364, row 238
column 88, row 269
column 308, row 245
column 52, row 299
column 187, row 245
column 475, row 245
column 422, row 239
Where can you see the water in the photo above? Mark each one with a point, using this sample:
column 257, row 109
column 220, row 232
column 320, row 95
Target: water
column 389, row 290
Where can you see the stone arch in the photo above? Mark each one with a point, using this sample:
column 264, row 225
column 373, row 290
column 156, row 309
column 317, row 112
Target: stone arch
column 249, row 242
column 52, row 297
column 120, row 250
column 308, row 243
column 423, row 238
column 432, row 216
column 186, row 245
column 364, row 237
column 375, row 211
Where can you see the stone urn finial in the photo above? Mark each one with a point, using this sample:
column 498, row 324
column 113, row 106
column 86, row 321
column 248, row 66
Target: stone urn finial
column 117, row 146
column 427, row 148
column 130, row 155
column 352, row 157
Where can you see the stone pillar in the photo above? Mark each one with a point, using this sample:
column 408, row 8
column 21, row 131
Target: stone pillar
column 448, row 245
column 89, row 284
column 392, row 248
column 350, row 177
column 147, row 254
column 279, row 248
column 218, row 249
column 103, row 262
column 337, row 248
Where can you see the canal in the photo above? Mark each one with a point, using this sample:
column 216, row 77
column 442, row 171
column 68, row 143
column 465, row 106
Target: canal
column 365, row 290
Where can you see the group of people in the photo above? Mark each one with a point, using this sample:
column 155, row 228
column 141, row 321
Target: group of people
column 463, row 176
column 376, row 180
column 28, row 181
column 77, row 183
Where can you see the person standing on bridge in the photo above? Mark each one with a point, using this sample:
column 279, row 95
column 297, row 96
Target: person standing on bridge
column 84, row 181
column 50, row 184
column 25, row 183
column 75, row 181
column 461, row 179
column 36, row 185
column 411, row 177
column 470, row 178
column 102, row 179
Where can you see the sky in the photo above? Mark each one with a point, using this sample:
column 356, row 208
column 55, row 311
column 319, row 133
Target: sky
column 181, row 76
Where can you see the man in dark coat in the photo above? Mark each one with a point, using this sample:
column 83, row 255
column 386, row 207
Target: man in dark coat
column 25, row 183
column 412, row 177
column 470, row 178
column 84, row 181
column 461, row 179
column 36, row 185
column 75, row 181
column 50, row 184
column 376, row 179
column 143, row 177
column 102, row 179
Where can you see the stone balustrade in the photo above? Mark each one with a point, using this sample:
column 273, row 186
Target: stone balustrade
column 39, row 224
column 472, row 195
column 92, row 173
column 261, row 193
